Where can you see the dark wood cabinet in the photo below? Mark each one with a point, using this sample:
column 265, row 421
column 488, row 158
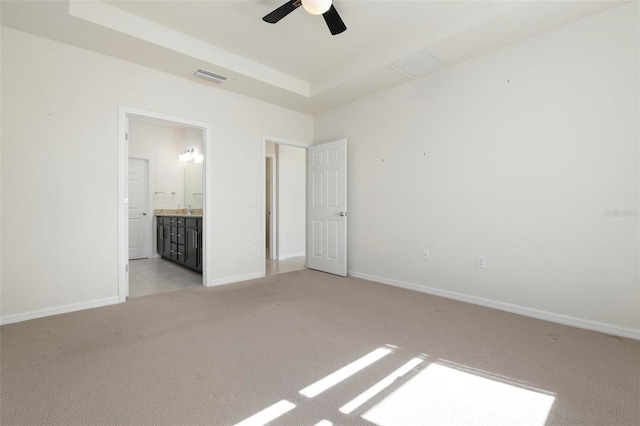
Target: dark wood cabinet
column 179, row 239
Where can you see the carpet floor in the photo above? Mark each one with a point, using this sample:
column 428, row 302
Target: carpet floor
column 307, row 348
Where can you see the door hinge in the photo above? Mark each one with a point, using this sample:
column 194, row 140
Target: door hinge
column 126, row 136
column 126, row 268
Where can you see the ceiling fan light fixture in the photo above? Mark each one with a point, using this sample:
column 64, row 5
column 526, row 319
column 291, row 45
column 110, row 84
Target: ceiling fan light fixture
column 316, row 7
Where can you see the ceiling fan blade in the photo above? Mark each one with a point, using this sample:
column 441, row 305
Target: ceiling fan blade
column 282, row 11
column 333, row 20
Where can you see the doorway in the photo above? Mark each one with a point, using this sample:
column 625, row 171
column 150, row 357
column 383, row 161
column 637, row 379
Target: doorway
column 271, row 189
column 166, row 191
column 285, row 206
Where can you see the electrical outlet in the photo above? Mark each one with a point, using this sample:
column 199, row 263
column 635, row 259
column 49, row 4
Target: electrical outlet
column 425, row 254
column 249, row 248
column 481, row 262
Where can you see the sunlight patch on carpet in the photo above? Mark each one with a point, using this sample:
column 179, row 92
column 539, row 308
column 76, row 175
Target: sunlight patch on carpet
column 268, row 414
column 344, row 373
column 374, row 390
column 443, row 395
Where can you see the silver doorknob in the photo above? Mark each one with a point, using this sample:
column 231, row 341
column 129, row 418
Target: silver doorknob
column 144, row 214
column 342, row 214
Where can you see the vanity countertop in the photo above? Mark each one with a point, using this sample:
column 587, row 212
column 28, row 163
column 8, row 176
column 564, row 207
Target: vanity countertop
column 197, row 216
column 196, row 213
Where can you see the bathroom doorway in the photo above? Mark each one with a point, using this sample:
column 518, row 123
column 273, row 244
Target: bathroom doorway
column 175, row 187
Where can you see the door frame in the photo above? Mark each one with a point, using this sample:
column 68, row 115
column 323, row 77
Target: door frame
column 273, row 207
column 124, row 113
column 279, row 141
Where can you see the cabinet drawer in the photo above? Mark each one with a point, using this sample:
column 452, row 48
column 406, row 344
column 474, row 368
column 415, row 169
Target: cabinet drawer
column 178, row 252
column 177, row 234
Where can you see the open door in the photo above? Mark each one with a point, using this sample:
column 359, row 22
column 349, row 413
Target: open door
column 327, row 212
column 138, row 208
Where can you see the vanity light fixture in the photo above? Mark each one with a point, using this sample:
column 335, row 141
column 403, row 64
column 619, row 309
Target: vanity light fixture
column 190, row 155
column 187, row 155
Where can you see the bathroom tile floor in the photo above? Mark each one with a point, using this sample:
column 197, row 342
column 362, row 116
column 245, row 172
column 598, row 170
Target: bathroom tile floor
column 152, row 276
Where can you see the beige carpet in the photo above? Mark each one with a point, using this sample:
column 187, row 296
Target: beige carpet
column 245, row 351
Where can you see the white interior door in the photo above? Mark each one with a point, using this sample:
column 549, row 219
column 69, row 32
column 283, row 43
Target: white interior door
column 138, row 209
column 327, row 212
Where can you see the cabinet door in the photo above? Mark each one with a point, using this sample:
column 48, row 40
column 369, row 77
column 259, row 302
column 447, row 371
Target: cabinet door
column 193, row 249
column 160, row 238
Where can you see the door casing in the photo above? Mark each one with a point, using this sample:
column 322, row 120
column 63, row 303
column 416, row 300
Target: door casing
column 124, row 113
column 273, row 208
column 278, row 141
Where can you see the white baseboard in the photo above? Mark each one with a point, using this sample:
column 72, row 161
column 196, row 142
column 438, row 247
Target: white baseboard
column 290, row 255
column 516, row 309
column 234, row 279
column 11, row 318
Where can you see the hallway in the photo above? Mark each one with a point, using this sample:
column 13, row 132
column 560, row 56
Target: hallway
column 282, row 266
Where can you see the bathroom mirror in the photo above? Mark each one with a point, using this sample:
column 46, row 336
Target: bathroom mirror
column 175, row 180
column 193, row 193
column 193, row 168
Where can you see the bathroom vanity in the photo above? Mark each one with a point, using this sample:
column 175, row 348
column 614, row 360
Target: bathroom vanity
column 179, row 239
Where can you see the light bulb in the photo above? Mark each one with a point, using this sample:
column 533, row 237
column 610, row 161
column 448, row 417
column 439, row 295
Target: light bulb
column 316, row 7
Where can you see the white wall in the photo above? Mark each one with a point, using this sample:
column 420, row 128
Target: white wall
column 59, row 153
column 515, row 155
column 161, row 145
column 291, row 201
column 1, row 174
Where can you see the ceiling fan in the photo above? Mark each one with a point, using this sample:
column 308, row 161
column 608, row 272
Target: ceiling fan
column 315, row 7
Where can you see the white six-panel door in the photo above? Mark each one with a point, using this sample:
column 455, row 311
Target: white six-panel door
column 138, row 209
column 327, row 209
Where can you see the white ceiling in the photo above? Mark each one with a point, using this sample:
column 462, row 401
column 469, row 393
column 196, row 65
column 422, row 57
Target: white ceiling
column 295, row 63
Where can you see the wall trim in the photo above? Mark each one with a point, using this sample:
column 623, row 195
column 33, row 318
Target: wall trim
column 234, row 279
column 507, row 307
column 40, row 313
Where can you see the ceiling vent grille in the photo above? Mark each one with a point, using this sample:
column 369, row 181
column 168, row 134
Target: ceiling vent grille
column 418, row 65
column 209, row 76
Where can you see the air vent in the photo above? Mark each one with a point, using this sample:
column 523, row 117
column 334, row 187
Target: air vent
column 209, row 76
column 416, row 66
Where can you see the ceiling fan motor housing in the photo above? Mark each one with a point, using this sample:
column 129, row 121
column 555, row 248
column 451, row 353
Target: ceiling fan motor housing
column 316, row 7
